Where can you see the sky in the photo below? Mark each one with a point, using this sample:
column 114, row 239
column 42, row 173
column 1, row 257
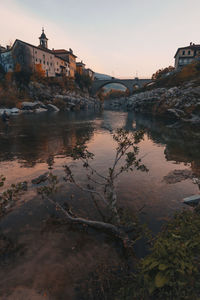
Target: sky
column 119, row 38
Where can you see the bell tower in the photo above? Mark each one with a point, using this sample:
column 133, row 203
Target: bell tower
column 43, row 40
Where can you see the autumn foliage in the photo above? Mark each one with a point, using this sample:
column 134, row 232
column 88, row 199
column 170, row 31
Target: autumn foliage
column 39, row 71
column 162, row 72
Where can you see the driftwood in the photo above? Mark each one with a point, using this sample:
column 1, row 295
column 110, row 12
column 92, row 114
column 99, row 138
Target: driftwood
column 119, row 232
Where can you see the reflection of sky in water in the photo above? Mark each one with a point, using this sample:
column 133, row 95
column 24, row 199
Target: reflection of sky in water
column 35, row 141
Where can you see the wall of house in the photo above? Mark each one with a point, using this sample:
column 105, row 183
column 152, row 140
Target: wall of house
column 79, row 69
column 184, row 57
column 51, row 64
column 72, row 65
column 6, row 60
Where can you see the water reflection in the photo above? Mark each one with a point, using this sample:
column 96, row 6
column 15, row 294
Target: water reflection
column 35, row 143
column 32, row 139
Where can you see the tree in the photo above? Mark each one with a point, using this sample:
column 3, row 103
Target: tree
column 102, row 188
column 2, row 72
column 162, row 72
column 21, row 76
column 39, row 72
column 83, row 80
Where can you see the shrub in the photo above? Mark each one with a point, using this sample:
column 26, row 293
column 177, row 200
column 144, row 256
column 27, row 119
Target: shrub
column 84, row 81
column 59, row 103
column 172, row 270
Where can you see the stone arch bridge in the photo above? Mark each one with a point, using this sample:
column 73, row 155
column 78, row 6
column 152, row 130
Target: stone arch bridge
column 130, row 84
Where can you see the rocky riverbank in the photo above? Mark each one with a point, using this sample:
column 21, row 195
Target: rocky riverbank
column 43, row 98
column 178, row 103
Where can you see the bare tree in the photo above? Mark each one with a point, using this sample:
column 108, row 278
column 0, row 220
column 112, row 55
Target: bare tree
column 102, row 188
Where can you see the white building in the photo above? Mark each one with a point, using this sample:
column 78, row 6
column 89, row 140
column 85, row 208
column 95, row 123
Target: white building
column 185, row 55
column 29, row 57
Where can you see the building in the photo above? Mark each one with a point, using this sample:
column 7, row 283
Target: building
column 89, row 73
column 30, row 57
column 80, row 68
column 69, row 57
column 185, row 55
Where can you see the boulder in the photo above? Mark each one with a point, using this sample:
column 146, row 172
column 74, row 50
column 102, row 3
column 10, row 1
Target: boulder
column 192, row 200
column 30, row 105
column 14, row 110
column 52, row 107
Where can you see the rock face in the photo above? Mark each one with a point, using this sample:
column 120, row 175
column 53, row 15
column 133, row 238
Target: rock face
column 48, row 98
column 60, row 97
column 179, row 103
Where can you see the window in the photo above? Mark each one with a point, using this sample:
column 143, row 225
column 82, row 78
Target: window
column 35, row 52
column 57, row 63
column 44, row 62
column 51, row 64
column 58, row 70
column 183, row 52
column 189, row 52
column 43, row 56
column 47, row 63
column 36, row 59
column 40, row 61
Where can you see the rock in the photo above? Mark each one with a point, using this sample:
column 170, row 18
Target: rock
column 196, row 180
column 41, row 178
column 30, row 105
column 194, row 119
column 40, row 110
column 175, row 113
column 5, row 109
column 192, row 200
column 14, row 110
column 52, row 107
column 178, row 176
column 24, row 186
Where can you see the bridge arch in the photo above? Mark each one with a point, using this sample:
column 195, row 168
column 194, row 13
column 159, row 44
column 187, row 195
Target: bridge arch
column 130, row 84
column 113, row 82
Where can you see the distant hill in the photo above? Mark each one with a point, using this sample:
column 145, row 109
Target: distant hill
column 102, row 76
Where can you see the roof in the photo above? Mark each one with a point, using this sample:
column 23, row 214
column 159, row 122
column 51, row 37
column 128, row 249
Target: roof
column 191, row 47
column 60, row 51
column 63, row 51
column 80, row 64
column 39, row 47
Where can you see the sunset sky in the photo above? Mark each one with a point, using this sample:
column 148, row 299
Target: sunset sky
column 115, row 37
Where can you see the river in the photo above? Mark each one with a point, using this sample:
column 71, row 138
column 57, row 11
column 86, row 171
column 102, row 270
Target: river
column 36, row 143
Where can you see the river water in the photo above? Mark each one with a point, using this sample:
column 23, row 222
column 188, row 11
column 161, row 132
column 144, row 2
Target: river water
column 32, row 144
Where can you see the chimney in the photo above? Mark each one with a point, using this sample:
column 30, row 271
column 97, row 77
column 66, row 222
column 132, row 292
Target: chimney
column 7, row 47
column 190, row 43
